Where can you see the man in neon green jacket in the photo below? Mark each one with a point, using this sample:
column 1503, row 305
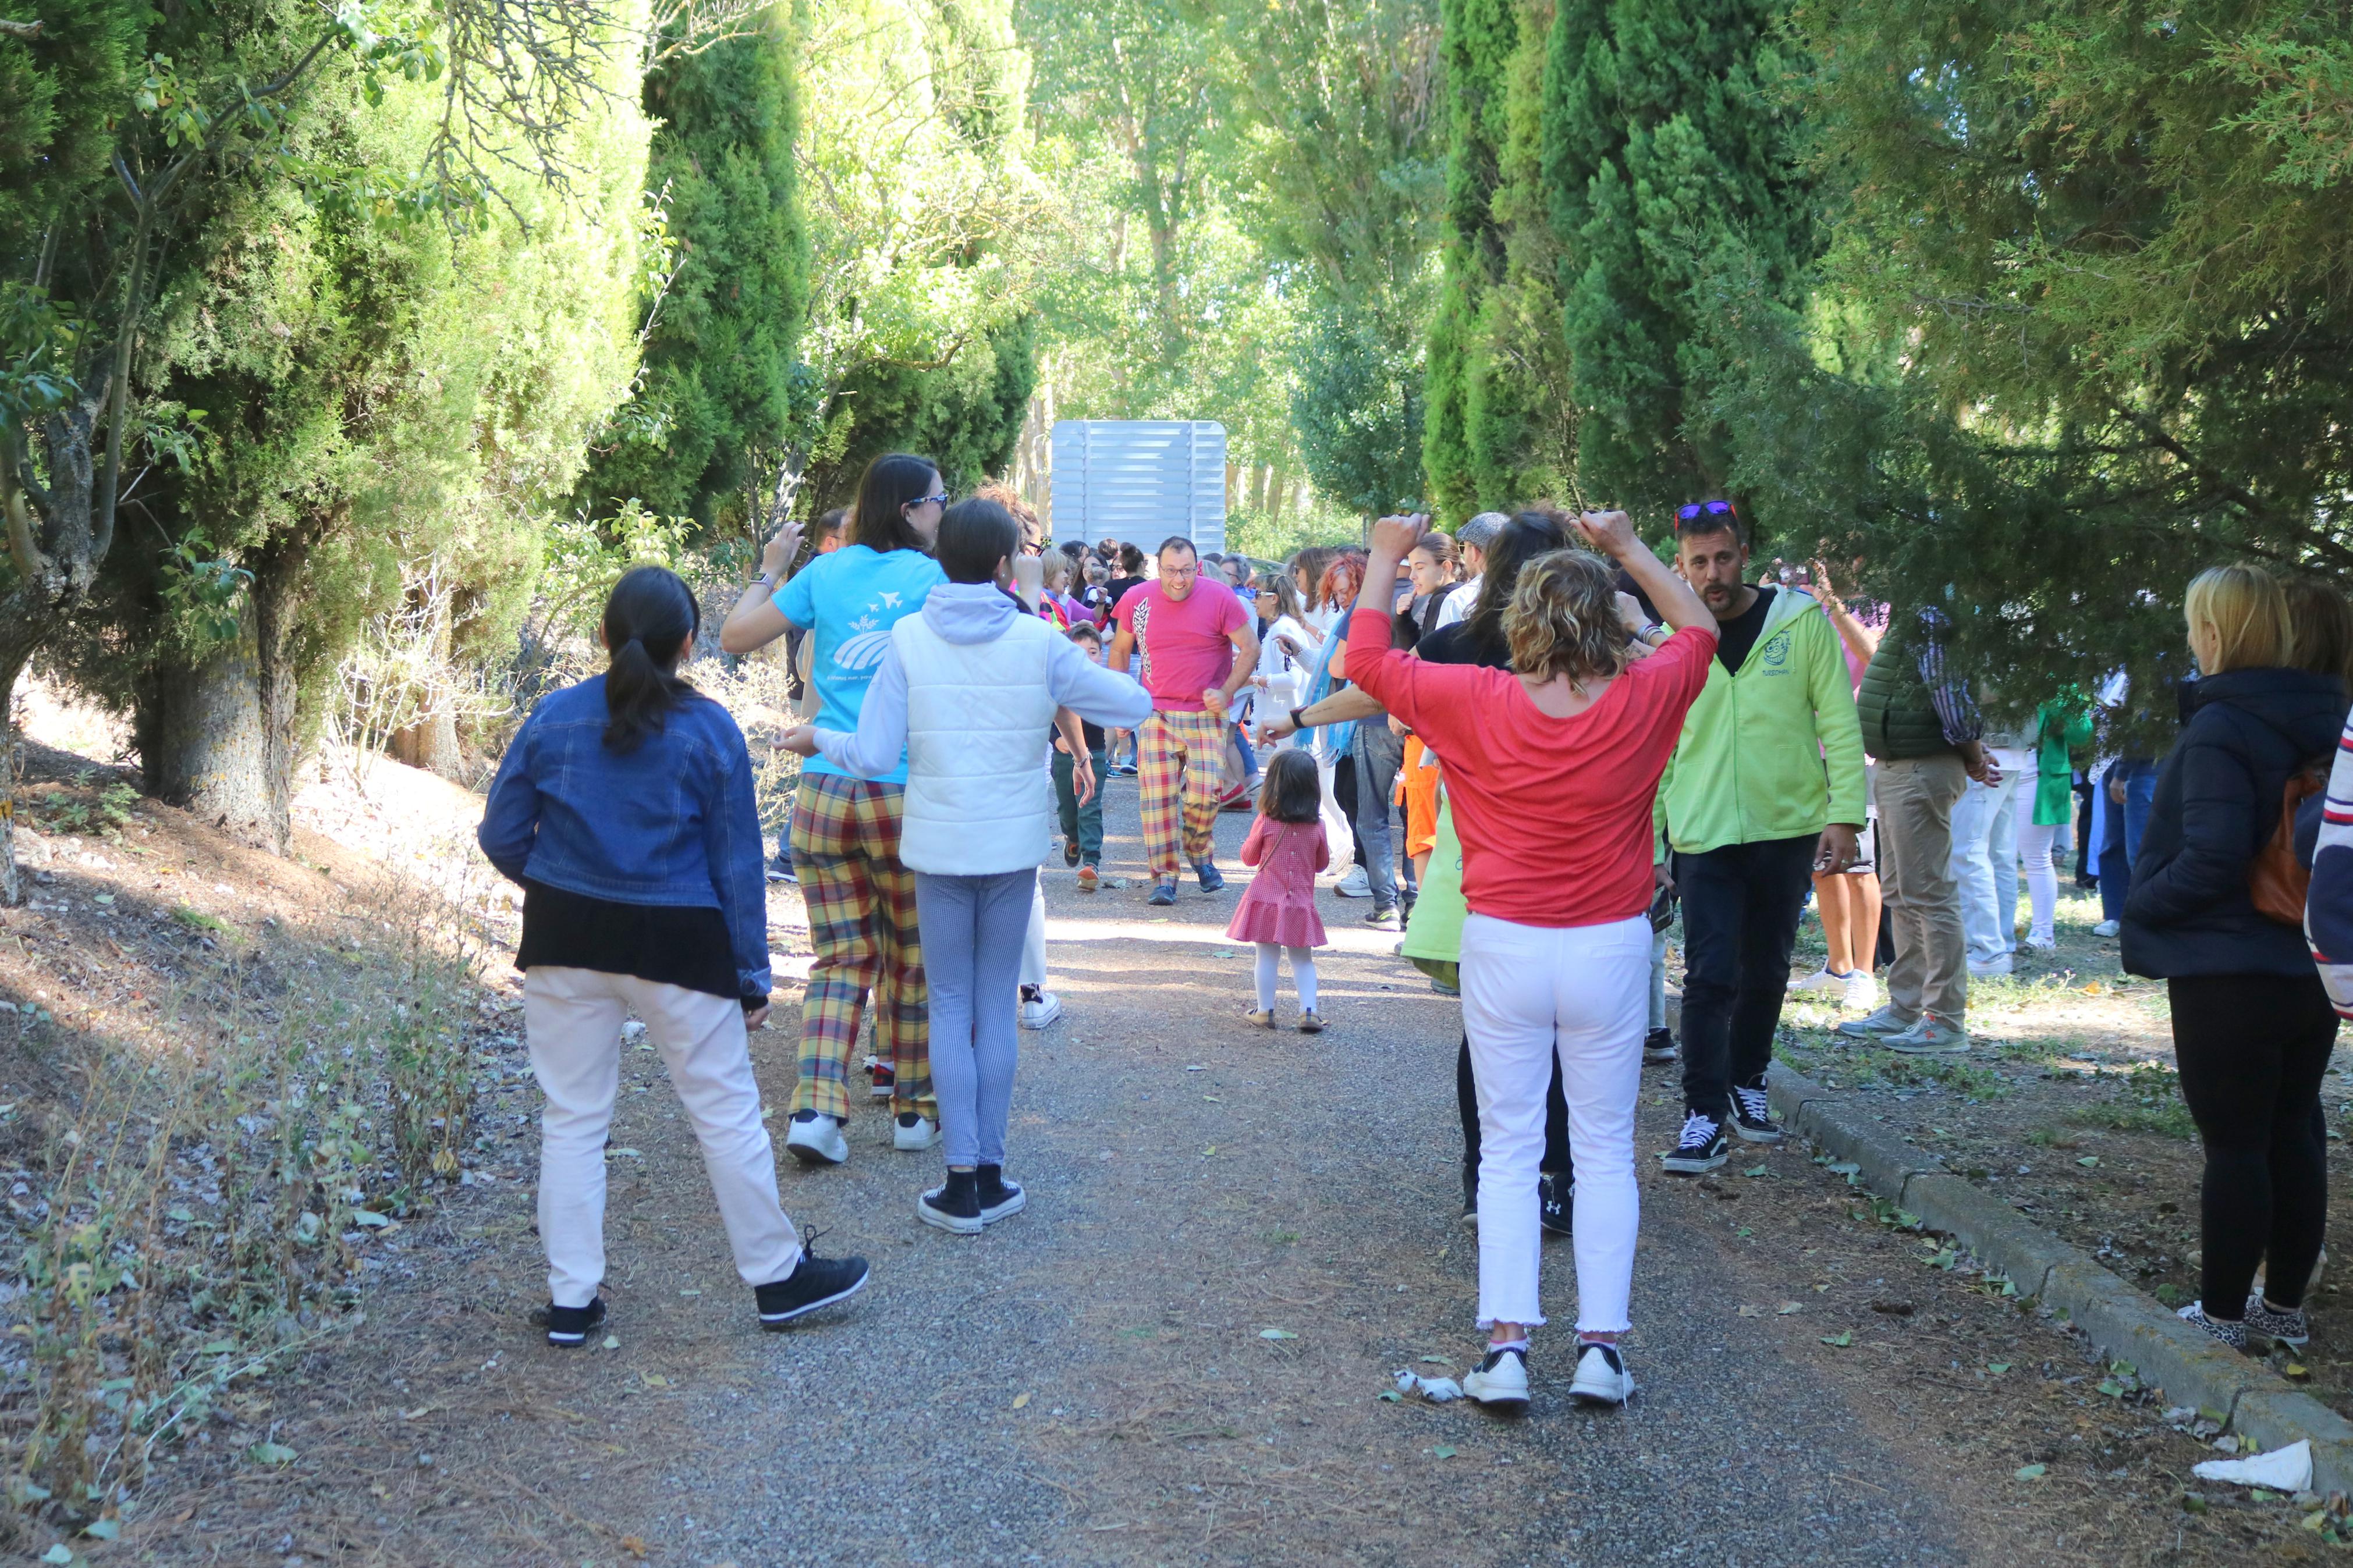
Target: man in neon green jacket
column 1765, row 789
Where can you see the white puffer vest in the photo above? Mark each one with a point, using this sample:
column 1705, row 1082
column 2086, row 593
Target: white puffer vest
column 979, row 801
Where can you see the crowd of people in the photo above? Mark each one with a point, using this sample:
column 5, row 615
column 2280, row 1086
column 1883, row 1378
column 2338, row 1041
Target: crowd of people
column 1531, row 745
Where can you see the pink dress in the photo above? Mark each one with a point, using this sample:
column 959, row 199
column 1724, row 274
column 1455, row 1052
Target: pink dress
column 1279, row 906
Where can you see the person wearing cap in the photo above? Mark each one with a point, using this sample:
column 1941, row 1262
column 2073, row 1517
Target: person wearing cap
column 1471, row 542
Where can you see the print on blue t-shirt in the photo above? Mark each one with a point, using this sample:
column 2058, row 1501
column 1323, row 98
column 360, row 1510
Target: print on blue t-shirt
column 849, row 601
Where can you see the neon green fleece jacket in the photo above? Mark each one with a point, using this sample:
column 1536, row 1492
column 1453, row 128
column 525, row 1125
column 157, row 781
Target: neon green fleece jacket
column 1774, row 752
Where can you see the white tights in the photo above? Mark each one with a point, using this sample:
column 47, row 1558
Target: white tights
column 1302, row 975
column 2034, row 845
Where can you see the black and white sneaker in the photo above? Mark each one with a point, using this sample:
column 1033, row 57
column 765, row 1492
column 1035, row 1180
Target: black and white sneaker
column 1555, row 1199
column 2287, row 1325
column 815, row 1139
column 1752, row 1116
column 954, row 1205
column 1658, row 1046
column 1702, row 1149
column 2232, row 1334
column 814, row 1282
column 1601, row 1376
column 997, row 1197
column 1500, row 1383
column 569, row 1327
column 886, row 1082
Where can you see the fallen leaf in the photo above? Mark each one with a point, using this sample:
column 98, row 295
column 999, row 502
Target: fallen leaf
column 2296, row 1369
column 1750, row 1311
column 1390, row 1396
column 1444, row 1450
column 2088, row 1161
column 272, row 1454
column 1435, row 1359
column 1996, row 1367
column 1786, row 1307
column 634, row 1546
column 1276, row 1334
column 654, row 1380
column 1020, row 1401
column 1841, row 1340
column 2031, row 1472
column 611, row 1343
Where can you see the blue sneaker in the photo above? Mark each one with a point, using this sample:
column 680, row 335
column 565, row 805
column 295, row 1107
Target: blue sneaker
column 1164, row 893
column 1212, row 880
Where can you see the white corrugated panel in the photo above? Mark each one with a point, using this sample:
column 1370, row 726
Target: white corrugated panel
column 1140, row 480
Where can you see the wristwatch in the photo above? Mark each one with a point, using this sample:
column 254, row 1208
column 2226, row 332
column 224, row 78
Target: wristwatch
column 1298, row 720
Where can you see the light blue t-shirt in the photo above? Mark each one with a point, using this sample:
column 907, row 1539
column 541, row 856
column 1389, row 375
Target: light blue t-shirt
column 849, row 601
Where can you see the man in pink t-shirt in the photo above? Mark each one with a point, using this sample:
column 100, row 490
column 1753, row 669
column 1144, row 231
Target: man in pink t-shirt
column 1198, row 648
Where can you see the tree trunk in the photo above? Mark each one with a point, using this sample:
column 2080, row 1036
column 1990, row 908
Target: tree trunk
column 12, row 880
column 430, row 744
column 277, row 682
column 200, row 739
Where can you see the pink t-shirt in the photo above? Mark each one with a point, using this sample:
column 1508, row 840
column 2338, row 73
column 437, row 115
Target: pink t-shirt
column 1187, row 643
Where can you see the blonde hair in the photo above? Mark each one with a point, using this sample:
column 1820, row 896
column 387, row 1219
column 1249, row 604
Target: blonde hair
column 2246, row 610
column 1563, row 618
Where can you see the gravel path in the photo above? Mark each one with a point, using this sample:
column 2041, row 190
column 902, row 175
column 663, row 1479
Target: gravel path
column 1094, row 1382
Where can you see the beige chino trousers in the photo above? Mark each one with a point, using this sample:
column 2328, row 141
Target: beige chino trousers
column 1916, row 796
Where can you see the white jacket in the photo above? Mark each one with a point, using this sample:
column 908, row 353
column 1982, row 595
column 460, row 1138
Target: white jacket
column 968, row 689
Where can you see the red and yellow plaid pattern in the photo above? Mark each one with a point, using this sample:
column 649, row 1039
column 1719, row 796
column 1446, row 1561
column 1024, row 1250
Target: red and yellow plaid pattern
column 862, row 914
column 1180, row 767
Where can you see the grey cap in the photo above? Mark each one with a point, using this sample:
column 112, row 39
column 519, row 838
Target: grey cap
column 1481, row 531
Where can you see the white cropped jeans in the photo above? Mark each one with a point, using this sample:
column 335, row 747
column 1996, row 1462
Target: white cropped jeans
column 572, row 1018
column 1529, row 992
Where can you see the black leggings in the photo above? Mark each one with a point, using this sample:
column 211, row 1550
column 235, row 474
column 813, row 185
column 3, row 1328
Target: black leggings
column 2252, row 1048
column 1556, row 1162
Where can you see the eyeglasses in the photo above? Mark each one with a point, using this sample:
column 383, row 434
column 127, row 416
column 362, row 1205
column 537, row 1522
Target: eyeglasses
column 1703, row 508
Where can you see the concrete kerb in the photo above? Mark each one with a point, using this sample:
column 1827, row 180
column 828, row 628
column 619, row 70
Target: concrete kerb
column 2127, row 1325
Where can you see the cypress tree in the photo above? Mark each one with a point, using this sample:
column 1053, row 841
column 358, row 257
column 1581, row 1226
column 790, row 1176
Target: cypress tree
column 721, row 356
column 1668, row 162
column 1479, row 38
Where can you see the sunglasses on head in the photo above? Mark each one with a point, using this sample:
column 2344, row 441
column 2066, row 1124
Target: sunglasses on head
column 1699, row 509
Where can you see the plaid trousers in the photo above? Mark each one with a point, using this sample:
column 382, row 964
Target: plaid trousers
column 862, row 914
column 1181, row 758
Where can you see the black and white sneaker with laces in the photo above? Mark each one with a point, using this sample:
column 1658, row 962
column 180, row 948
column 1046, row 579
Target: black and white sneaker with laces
column 1701, row 1149
column 814, row 1282
column 1658, row 1046
column 997, row 1196
column 1500, row 1381
column 1554, row 1198
column 1601, row 1376
column 2287, row 1325
column 953, row 1205
column 2232, row 1334
column 568, row 1327
column 1752, row 1115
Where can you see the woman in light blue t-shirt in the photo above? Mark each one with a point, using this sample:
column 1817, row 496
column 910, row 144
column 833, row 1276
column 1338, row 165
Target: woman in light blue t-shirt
column 845, row 844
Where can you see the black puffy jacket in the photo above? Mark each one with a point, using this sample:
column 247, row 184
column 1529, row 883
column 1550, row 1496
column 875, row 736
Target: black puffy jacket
column 2218, row 800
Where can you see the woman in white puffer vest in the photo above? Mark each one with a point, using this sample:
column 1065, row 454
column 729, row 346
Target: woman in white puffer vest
column 972, row 689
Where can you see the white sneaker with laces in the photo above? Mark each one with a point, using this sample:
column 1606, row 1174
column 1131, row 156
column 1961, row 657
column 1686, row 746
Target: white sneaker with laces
column 2039, row 942
column 1997, row 964
column 2107, row 928
column 1819, row 980
column 1862, row 992
column 815, row 1139
column 1500, row 1381
column 914, row 1133
column 1041, row 1010
column 1355, row 884
column 1601, row 1376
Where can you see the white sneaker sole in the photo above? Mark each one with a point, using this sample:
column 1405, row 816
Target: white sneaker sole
column 1007, row 1209
column 1693, row 1164
column 955, row 1225
column 1759, row 1134
column 1039, row 1017
column 827, row 1147
column 1614, row 1393
column 1507, row 1400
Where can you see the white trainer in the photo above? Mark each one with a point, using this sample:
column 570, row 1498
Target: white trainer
column 1041, row 1010
column 2107, row 928
column 1601, row 1376
column 815, row 1139
column 1997, row 964
column 1355, row 884
column 1819, row 980
column 914, row 1133
column 1862, row 992
column 1500, row 1381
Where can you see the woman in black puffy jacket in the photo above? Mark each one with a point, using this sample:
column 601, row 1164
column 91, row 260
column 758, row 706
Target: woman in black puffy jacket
column 2252, row 1029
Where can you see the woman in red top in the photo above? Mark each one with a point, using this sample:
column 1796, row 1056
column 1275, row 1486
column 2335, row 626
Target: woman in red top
column 1552, row 766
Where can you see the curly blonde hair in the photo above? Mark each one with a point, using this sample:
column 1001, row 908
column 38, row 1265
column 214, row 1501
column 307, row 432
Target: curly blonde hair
column 1563, row 618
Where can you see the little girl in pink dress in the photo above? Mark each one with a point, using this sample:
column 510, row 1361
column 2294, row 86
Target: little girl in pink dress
column 1278, row 910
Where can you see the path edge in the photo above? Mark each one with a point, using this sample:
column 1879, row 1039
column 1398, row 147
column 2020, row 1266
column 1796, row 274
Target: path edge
column 2184, row 1362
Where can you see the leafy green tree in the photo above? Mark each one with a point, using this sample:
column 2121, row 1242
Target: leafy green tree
column 722, row 343
column 1667, row 156
column 1480, row 37
column 2083, row 326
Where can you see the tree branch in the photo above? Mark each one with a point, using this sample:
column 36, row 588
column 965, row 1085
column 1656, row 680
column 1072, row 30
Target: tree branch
column 15, row 29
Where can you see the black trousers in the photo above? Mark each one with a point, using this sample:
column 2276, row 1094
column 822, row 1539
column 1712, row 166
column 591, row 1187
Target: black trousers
column 1741, row 905
column 1556, row 1160
column 2251, row 1050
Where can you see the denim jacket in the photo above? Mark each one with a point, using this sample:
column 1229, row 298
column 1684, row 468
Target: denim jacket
column 672, row 823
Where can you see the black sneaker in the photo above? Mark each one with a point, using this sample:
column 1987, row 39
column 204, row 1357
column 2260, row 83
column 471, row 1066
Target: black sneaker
column 1384, row 917
column 1212, row 880
column 1702, row 1149
column 997, row 1197
column 954, row 1205
column 1658, row 1046
column 1070, row 852
column 1555, row 1204
column 1406, row 900
column 814, row 1282
column 1752, row 1115
column 1164, row 893
column 569, row 1327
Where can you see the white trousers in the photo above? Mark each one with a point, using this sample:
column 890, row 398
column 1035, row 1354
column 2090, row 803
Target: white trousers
column 1985, row 858
column 2035, row 847
column 1529, row 992
column 573, row 1017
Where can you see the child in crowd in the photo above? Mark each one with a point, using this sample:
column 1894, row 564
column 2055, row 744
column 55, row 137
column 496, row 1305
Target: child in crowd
column 624, row 809
column 968, row 689
column 1083, row 832
column 1278, row 910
